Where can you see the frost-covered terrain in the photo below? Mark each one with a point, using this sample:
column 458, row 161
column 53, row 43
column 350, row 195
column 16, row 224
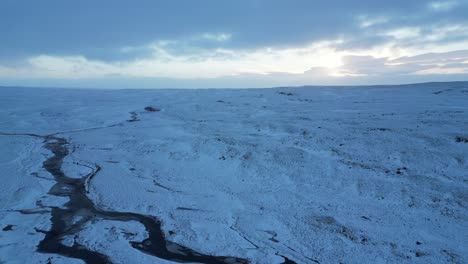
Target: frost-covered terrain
column 286, row 175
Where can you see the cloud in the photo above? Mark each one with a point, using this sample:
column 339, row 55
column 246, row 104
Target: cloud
column 92, row 31
column 434, row 58
column 222, row 37
column 366, row 21
column 189, row 59
column 316, row 63
column 404, row 33
column 442, row 6
column 356, row 69
column 425, row 64
column 166, row 62
column 279, row 41
column 442, row 71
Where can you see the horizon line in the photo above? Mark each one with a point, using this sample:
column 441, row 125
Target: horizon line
column 226, row 88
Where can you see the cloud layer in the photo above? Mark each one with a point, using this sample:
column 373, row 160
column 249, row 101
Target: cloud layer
column 228, row 44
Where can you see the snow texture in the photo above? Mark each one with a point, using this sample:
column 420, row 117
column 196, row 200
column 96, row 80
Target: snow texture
column 312, row 174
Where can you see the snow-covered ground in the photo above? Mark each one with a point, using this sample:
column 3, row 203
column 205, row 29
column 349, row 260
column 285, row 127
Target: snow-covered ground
column 307, row 175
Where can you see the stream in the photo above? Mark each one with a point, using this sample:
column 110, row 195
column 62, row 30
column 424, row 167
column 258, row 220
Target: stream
column 64, row 220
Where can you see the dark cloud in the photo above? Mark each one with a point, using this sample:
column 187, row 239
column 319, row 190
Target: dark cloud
column 99, row 29
column 454, row 56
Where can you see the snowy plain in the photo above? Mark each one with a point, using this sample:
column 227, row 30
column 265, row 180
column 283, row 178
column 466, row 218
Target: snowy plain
column 374, row 174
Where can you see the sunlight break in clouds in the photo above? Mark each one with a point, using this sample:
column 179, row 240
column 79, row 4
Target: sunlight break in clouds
column 165, row 63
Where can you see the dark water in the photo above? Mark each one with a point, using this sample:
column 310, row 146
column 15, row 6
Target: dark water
column 81, row 207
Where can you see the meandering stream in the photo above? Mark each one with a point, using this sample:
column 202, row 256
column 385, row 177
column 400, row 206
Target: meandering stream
column 69, row 220
column 81, row 207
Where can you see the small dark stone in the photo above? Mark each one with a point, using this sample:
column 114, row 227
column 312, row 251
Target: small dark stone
column 286, row 93
column 152, row 109
column 418, row 243
column 8, row 228
column 274, row 240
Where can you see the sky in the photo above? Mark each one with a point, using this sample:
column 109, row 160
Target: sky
column 224, row 44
